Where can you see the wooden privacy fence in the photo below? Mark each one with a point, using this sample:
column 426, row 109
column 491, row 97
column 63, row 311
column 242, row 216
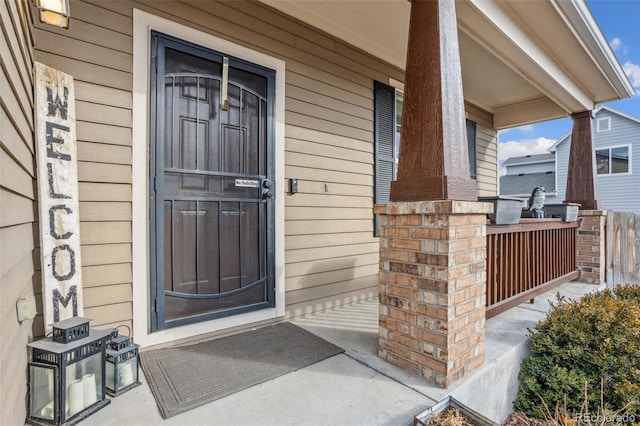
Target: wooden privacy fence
column 528, row 259
column 623, row 248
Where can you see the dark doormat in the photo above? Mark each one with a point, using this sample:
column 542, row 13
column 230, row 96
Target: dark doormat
column 189, row 376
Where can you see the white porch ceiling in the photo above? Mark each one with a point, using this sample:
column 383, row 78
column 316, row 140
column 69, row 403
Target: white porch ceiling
column 523, row 61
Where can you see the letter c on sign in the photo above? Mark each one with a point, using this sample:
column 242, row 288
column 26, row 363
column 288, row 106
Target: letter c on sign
column 52, row 222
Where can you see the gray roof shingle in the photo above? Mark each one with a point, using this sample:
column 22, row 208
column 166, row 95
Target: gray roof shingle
column 530, row 159
column 524, row 183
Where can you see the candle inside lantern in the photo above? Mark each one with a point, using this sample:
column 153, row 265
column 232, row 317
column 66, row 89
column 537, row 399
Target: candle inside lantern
column 75, row 397
column 126, row 374
column 47, row 411
column 90, row 391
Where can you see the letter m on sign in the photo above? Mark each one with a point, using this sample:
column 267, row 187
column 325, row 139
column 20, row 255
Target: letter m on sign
column 58, row 300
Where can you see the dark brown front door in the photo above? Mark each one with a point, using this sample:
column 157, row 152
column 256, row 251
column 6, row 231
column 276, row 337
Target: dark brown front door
column 211, row 184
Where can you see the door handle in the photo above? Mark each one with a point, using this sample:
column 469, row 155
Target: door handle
column 266, row 193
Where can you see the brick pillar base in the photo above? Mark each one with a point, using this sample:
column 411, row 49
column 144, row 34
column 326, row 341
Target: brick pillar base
column 590, row 256
column 433, row 287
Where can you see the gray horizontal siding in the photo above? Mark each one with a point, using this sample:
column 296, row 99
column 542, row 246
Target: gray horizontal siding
column 17, row 204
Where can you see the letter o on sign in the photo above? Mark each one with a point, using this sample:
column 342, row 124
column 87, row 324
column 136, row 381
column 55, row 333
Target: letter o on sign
column 70, row 262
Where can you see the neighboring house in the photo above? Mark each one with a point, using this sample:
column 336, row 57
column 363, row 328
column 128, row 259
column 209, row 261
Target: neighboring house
column 175, row 242
column 525, row 173
column 616, row 139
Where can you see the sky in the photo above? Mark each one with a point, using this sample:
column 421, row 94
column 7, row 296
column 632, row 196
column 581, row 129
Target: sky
column 619, row 21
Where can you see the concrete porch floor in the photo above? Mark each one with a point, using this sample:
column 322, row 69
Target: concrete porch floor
column 357, row 387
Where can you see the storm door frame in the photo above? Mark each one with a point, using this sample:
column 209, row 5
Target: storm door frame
column 157, row 321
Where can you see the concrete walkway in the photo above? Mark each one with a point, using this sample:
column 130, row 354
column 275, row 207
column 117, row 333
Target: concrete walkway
column 356, row 388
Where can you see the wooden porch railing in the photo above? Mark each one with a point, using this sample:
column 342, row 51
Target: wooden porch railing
column 528, row 259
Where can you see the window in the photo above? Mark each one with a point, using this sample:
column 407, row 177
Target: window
column 388, row 103
column 613, row 160
column 603, row 124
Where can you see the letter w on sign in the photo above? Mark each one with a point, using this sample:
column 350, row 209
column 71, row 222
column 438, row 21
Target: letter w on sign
column 58, row 195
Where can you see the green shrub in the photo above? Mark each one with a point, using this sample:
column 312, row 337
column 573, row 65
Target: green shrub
column 581, row 342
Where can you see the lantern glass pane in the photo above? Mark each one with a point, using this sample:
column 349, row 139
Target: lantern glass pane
column 42, row 393
column 84, row 384
column 127, row 372
column 110, row 376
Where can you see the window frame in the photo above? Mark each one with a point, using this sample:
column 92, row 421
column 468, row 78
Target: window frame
column 600, row 128
column 609, row 148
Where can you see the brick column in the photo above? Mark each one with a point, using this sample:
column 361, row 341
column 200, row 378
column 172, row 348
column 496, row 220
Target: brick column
column 433, row 287
column 591, row 254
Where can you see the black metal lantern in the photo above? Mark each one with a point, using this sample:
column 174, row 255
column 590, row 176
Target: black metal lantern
column 67, row 374
column 122, row 365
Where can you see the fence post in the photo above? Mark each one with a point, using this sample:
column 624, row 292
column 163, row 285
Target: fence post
column 637, row 242
column 623, row 244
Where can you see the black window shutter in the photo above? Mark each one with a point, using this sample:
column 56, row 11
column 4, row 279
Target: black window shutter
column 471, row 144
column 384, row 134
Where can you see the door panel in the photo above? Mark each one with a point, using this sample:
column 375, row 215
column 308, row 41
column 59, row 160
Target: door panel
column 208, row 249
column 212, row 224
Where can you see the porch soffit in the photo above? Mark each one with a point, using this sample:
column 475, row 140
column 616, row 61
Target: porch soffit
column 522, row 61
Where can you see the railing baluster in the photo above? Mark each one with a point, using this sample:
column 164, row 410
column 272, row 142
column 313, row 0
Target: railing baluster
column 510, row 265
column 499, row 263
column 490, row 280
column 523, row 256
column 528, row 259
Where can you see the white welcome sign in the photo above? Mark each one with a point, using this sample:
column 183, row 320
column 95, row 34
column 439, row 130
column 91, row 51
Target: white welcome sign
column 58, row 195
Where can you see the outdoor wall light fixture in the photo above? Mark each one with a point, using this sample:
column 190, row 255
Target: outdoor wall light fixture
column 54, row 12
column 122, row 365
column 67, row 374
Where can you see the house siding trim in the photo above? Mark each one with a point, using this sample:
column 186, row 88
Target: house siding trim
column 143, row 23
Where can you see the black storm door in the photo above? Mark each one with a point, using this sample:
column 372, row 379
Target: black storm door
column 212, row 217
